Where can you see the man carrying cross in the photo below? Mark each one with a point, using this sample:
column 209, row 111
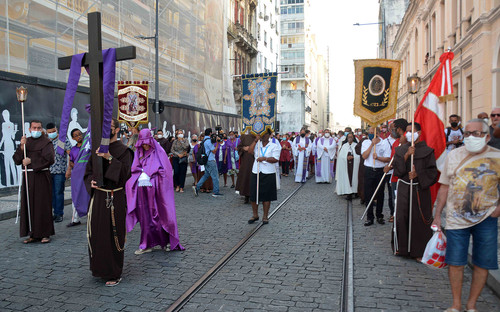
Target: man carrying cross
column 109, row 169
column 108, row 210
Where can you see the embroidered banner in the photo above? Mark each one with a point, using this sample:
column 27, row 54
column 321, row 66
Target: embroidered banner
column 376, row 90
column 133, row 102
column 259, row 102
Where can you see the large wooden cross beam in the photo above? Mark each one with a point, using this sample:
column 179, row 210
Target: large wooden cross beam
column 93, row 59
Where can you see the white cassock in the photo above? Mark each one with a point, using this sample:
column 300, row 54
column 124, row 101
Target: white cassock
column 344, row 185
column 301, row 158
column 324, row 159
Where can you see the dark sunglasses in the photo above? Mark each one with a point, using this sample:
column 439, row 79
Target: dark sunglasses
column 495, row 115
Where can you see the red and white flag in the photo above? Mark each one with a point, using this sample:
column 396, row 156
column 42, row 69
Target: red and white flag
column 430, row 111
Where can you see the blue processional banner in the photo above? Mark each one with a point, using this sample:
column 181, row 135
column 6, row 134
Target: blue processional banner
column 259, row 102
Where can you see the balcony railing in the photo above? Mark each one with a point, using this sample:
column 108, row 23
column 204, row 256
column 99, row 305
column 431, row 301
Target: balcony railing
column 243, row 38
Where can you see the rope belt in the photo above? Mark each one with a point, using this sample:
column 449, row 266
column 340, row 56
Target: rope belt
column 429, row 221
column 31, row 170
column 109, row 205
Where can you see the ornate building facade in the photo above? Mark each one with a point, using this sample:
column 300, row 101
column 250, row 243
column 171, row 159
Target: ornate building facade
column 471, row 29
column 242, row 41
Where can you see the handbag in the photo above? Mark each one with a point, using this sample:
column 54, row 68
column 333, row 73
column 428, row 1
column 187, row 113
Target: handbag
column 183, row 160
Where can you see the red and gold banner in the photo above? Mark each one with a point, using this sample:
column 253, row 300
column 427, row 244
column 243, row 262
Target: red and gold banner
column 133, row 102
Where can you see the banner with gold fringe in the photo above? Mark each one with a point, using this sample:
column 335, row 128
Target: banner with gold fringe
column 376, row 90
column 259, row 102
column 133, row 102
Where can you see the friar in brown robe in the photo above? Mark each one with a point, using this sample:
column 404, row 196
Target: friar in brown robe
column 425, row 174
column 106, row 218
column 361, row 172
column 40, row 156
column 246, row 164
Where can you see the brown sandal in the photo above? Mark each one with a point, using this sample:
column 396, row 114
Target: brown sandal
column 29, row 240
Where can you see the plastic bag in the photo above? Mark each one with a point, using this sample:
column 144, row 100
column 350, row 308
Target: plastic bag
column 435, row 250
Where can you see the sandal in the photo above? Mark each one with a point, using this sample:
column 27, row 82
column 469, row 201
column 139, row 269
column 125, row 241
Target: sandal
column 391, row 219
column 29, row 240
column 181, row 191
column 112, row 283
column 45, row 240
column 253, row 219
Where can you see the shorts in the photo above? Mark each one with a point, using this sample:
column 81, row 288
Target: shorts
column 484, row 245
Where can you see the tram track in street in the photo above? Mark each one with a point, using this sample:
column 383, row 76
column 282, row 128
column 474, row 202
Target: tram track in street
column 347, row 293
column 200, row 283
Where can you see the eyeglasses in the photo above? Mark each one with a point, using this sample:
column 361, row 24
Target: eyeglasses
column 477, row 134
column 495, row 115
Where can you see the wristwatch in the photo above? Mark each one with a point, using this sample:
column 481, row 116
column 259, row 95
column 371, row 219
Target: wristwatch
column 110, row 158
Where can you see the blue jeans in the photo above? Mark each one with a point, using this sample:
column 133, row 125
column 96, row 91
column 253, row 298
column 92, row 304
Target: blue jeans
column 58, row 193
column 210, row 171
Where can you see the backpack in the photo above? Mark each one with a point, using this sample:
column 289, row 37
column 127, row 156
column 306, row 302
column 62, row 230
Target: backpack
column 201, row 155
column 448, row 132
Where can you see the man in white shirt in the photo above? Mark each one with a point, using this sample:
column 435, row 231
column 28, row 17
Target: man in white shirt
column 376, row 153
column 454, row 134
column 301, row 147
column 266, row 154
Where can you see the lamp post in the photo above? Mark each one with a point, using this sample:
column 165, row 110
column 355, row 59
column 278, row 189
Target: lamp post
column 156, row 107
column 22, row 95
column 414, row 86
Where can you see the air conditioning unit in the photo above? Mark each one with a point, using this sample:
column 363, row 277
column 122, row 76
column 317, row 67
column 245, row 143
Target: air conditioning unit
column 266, row 18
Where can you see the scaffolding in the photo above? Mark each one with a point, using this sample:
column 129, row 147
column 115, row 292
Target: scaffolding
column 193, row 61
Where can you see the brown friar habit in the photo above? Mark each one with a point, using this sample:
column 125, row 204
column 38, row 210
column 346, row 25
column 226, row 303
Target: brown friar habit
column 165, row 144
column 41, row 153
column 427, row 174
column 361, row 172
column 106, row 246
column 246, row 164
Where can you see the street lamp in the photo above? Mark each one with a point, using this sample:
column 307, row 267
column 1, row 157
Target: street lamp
column 414, row 83
column 156, row 107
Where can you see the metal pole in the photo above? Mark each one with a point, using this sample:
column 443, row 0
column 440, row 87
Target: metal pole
column 376, row 190
column 411, row 180
column 26, row 173
column 157, row 72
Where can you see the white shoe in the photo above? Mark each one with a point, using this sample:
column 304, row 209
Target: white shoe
column 142, row 251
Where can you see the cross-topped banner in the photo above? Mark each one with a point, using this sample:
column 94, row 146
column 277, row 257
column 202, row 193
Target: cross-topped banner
column 98, row 70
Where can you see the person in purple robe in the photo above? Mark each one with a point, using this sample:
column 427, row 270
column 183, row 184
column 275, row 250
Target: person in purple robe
column 150, row 196
column 231, row 157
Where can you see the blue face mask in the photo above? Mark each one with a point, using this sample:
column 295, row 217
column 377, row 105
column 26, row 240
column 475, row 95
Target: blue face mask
column 52, row 135
column 36, row 134
column 371, row 136
column 346, row 133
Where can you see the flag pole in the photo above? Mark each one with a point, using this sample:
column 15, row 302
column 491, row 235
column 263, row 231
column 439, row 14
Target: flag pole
column 411, row 180
column 258, row 174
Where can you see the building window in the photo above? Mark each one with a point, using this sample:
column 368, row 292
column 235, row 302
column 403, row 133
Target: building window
column 271, row 44
column 265, row 38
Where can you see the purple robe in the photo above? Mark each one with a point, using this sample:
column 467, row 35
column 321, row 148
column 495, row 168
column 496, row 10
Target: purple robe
column 229, row 152
column 152, row 206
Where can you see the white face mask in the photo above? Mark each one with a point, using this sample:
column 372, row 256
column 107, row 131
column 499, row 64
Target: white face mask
column 160, row 136
column 327, row 135
column 473, row 144
column 180, row 135
column 408, row 136
column 360, row 133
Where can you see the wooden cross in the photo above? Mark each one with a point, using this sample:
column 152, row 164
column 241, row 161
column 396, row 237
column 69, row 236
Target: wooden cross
column 93, row 59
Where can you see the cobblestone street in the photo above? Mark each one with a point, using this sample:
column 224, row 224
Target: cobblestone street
column 292, row 264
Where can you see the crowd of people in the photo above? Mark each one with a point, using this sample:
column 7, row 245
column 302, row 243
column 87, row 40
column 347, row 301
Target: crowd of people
column 149, row 168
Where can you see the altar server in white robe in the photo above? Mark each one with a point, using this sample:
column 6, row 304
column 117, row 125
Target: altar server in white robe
column 326, row 148
column 301, row 148
column 347, row 168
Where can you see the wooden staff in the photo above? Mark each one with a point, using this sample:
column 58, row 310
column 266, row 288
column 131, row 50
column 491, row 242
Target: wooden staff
column 374, row 145
column 26, row 172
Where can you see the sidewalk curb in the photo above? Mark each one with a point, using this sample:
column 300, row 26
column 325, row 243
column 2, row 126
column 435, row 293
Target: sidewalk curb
column 12, row 214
